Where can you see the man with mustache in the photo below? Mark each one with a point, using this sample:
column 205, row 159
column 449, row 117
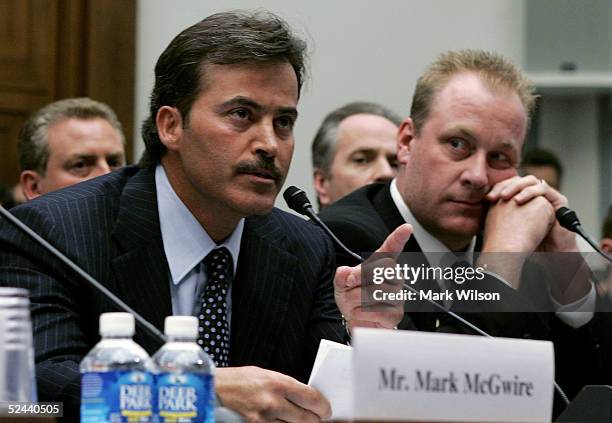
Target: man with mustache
column 192, row 230
column 459, row 188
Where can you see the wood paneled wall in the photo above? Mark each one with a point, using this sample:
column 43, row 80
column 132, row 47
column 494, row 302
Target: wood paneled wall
column 53, row 49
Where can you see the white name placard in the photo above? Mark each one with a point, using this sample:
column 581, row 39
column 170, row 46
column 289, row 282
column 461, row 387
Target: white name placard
column 418, row 376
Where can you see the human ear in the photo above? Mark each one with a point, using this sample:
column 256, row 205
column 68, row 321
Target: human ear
column 169, row 127
column 405, row 137
column 30, row 184
column 321, row 185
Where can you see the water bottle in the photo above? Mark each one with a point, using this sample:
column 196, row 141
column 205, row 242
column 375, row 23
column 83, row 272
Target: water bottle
column 184, row 383
column 116, row 375
column 17, row 378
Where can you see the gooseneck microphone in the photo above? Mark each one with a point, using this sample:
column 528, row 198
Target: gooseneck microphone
column 569, row 220
column 146, row 325
column 297, row 200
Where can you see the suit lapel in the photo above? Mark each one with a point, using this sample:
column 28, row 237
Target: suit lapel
column 141, row 269
column 423, row 315
column 384, row 205
column 261, row 292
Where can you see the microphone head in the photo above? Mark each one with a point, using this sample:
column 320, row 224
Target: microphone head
column 297, row 200
column 567, row 218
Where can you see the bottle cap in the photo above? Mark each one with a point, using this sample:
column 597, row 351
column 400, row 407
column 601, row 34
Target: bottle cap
column 117, row 324
column 181, row 326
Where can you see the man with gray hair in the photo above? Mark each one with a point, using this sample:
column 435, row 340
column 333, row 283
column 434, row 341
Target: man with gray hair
column 354, row 146
column 67, row 142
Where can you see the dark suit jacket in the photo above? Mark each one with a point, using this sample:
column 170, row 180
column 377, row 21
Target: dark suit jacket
column 364, row 218
column 283, row 301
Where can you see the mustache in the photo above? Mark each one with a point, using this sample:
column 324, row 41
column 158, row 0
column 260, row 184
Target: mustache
column 261, row 166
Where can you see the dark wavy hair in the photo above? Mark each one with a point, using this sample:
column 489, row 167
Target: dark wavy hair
column 222, row 39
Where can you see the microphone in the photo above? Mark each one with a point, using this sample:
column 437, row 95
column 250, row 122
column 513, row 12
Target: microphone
column 569, row 220
column 297, row 200
column 145, row 324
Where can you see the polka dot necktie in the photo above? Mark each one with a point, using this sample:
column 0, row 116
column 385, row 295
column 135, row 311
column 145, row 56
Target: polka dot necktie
column 214, row 334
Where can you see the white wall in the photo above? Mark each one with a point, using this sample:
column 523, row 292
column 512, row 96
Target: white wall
column 360, row 49
column 569, row 128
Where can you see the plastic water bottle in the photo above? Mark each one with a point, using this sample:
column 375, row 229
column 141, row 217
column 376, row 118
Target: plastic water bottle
column 17, row 381
column 184, row 381
column 116, row 375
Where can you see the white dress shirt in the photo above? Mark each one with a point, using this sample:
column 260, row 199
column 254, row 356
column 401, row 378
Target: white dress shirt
column 186, row 244
column 575, row 314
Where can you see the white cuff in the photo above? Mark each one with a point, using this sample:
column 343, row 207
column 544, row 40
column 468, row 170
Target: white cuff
column 578, row 313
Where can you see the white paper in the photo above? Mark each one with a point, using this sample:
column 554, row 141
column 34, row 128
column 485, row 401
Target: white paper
column 332, row 376
column 417, row 376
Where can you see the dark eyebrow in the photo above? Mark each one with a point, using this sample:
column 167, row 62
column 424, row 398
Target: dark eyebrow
column 247, row 102
column 240, row 101
column 89, row 157
column 82, row 156
column 119, row 156
column 291, row 111
column 365, row 150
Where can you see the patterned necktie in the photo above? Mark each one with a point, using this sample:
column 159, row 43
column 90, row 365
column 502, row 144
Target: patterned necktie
column 214, row 335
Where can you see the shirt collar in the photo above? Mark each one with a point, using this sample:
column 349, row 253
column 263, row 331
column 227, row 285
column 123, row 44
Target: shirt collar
column 186, row 243
column 427, row 242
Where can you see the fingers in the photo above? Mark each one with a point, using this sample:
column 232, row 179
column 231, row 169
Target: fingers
column 554, row 197
column 263, row 395
column 508, row 188
column 351, row 298
column 525, row 189
column 532, row 191
column 396, row 240
column 309, row 403
column 347, row 285
column 288, row 412
column 347, row 278
column 378, row 319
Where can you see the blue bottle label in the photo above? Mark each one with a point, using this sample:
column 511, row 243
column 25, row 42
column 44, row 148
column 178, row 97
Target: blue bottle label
column 185, row 397
column 117, row 396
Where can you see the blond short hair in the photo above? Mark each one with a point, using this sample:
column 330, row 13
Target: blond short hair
column 495, row 70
